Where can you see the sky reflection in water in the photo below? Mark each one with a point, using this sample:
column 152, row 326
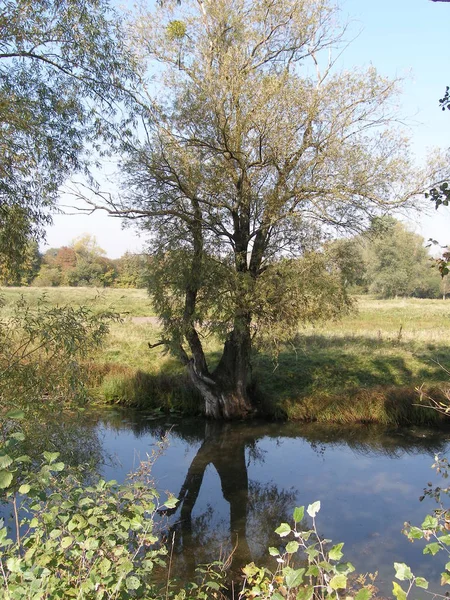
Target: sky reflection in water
column 238, row 482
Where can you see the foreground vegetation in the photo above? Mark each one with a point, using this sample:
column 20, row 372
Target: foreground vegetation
column 365, row 367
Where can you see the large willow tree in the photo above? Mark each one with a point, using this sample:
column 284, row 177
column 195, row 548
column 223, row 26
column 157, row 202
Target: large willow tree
column 252, row 146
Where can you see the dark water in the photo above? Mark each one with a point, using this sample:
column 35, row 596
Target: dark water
column 237, row 482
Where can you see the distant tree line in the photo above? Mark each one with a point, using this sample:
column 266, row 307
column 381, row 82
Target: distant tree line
column 81, row 263
column 388, row 260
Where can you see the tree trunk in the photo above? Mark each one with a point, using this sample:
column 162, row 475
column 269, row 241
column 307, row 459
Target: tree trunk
column 225, row 391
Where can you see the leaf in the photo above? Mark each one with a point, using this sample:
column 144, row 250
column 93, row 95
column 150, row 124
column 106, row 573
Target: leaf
column 16, row 414
column 283, row 530
column 274, row 551
column 338, row 582
column 171, row 502
column 363, row 594
column 421, row 582
column 13, row 564
column 66, row 542
column 430, row 522
column 213, row 585
column 335, row 552
column 398, row 592
column 305, row 593
column 5, row 461
column 313, row 509
column 299, row 513
column 402, row 571
column 24, row 488
column 432, row 548
column 5, row 479
column 132, row 583
column 415, row 533
column 292, row 547
column 50, row 456
column 445, row 578
column 294, row 577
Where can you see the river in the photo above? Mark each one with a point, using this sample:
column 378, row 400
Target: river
column 237, row 482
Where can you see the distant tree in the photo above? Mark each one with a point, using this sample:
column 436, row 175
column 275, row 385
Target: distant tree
column 132, row 270
column 346, row 256
column 397, row 262
column 83, row 263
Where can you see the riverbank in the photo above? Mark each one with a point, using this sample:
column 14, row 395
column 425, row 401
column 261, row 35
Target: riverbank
column 365, row 368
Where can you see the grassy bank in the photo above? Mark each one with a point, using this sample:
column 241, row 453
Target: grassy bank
column 365, row 367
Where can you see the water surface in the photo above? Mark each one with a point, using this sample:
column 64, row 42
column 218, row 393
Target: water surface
column 237, row 482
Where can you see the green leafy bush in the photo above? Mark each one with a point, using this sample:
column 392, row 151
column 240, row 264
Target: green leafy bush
column 94, row 541
column 41, row 351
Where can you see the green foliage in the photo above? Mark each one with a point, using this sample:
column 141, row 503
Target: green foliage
column 133, row 270
column 398, row 264
column 308, row 566
column 94, row 541
column 62, row 64
column 41, row 348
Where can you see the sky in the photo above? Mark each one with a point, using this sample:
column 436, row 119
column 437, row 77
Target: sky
column 407, row 38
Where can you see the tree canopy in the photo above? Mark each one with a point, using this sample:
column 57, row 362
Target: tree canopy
column 61, row 64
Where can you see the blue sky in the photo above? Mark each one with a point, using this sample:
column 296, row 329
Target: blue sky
column 407, row 38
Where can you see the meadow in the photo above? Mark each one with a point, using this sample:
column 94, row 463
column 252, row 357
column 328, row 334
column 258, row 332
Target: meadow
column 365, row 367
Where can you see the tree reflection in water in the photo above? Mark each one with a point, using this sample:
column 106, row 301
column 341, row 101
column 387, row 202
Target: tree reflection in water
column 255, row 510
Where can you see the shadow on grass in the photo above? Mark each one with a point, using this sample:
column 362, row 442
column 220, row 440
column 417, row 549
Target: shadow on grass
column 326, row 379
column 352, row 378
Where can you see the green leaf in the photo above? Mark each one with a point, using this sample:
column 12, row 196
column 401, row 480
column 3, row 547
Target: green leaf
column 5, row 461
column 132, row 583
column 294, row 577
column 363, row 594
column 50, row 456
column 213, row 585
column 398, row 592
column 335, row 552
column 445, row 578
column 283, row 530
column 430, row 522
column 421, row 582
column 24, row 488
column 415, row 533
column 292, row 547
column 402, row 571
column 171, row 502
column 13, row 564
column 432, row 548
column 104, row 566
column 305, row 593
column 274, row 551
column 313, row 509
column 313, row 570
column 66, row 542
column 299, row 513
column 18, row 436
column 338, row 582
column 444, row 539
column 16, row 414
column 5, row 479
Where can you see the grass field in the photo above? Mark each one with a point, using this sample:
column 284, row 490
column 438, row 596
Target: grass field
column 365, row 367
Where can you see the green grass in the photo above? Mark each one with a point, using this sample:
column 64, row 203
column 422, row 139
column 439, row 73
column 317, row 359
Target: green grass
column 127, row 302
column 365, row 367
